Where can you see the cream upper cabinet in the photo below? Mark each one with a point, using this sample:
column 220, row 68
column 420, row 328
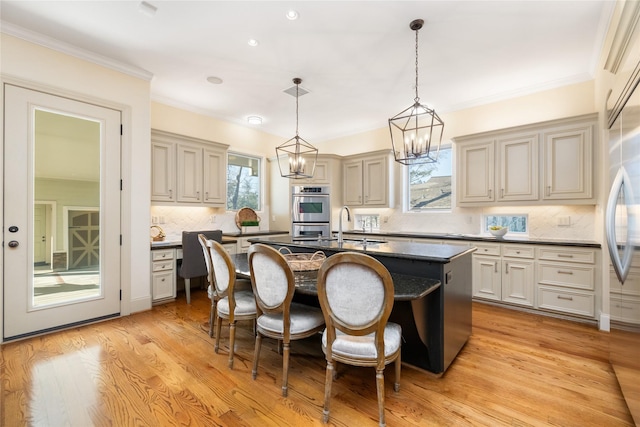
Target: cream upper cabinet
column 321, row 175
column 189, row 176
column 188, row 171
column 475, row 163
column 517, row 173
column 163, row 175
column 366, row 180
column 542, row 163
column 568, row 170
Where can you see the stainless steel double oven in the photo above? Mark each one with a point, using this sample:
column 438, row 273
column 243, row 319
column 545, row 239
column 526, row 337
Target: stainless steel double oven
column 310, row 212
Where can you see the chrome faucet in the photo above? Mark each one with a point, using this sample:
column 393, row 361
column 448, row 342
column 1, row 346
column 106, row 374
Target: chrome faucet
column 340, row 222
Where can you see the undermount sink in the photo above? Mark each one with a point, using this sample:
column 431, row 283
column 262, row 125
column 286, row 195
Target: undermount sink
column 364, row 241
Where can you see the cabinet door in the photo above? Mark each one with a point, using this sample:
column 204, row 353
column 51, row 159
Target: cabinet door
column 374, row 181
column 486, row 277
column 163, row 285
column 163, row 173
column 518, row 168
column 518, row 281
column 353, row 183
column 568, row 163
column 475, row 167
column 215, row 185
column 189, row 174
column 321, row 175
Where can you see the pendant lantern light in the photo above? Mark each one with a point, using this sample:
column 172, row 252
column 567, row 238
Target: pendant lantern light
column 416, row 132
column 296, row 157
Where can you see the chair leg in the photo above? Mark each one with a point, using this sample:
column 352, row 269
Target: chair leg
column 329, row 376
column 218, row 333
column 396, row 386
column 285, row 368
column 232, row 339
column 380, row 387
column 212, row 316
column 187, row 289
column 256, row 355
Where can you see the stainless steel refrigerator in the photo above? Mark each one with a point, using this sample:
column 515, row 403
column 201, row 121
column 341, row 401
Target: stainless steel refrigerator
column 623, row 240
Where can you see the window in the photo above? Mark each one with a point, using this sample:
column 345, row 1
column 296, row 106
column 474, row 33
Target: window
column 243, row 182
column 515, row 223
column 430, row 184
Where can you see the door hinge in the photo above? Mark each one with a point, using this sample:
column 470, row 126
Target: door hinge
column 121, row 240
column 121, row 130
column 120, row 185
column 120, row 294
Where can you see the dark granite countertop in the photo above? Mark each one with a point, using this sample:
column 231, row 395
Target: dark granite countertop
column 406, row 288
column 406, row 250
column 478, row 238
column 226, row 238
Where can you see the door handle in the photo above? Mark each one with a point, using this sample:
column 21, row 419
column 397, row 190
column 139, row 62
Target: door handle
column 14, row 244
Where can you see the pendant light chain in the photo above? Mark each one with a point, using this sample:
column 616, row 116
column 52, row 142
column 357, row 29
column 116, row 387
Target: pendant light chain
column 417, row 100
column 297, row 96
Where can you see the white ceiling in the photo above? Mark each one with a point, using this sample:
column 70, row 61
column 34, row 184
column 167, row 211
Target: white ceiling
column 356, row 58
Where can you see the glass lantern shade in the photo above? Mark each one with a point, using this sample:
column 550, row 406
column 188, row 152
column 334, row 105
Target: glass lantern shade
column 416, row 134
column 297, row 158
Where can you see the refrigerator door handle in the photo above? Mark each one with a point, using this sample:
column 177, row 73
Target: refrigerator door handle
column 620, row 265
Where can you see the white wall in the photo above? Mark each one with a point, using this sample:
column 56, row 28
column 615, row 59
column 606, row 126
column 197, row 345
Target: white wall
column 46, row 69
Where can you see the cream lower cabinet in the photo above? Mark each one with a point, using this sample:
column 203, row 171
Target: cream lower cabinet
column 504, row 273
column 163, row 275
column 566, row 280
column 625, row 299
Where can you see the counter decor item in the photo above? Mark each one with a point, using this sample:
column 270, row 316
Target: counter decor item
column 498, row 231
column 157, row 233
column 247, row 217
column 303, row 261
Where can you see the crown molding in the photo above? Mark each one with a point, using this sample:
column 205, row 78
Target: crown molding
column 66, row 48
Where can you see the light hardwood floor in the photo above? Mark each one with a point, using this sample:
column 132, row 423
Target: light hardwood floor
column 158, row 368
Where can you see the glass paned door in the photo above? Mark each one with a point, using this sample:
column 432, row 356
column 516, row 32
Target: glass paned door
column 62, row 212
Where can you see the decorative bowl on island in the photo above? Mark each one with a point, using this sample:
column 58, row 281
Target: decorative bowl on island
column 498, row 231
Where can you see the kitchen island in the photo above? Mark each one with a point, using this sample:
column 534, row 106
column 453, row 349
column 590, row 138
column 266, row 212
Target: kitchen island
column 436, row 325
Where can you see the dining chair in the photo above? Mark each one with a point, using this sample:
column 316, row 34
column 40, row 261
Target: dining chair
column 227, row 302
column 356, row 296
column 278, row 316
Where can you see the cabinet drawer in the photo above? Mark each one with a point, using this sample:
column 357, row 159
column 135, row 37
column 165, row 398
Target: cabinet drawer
column 163, row 254
column 566, row 301
column 518, row 251
column 162, row 286
column 162, row 265
column 572, row 276
column 487, row 249
column 631, row 285
column 586, row 256
column 625, row 309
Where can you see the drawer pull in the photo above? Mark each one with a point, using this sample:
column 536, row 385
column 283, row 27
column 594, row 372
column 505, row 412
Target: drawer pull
column 517, row 252
column 565, row 298
column 564, row 272
column 163, row 279
column 495, row 267
column 624, row 307
column 565, row 256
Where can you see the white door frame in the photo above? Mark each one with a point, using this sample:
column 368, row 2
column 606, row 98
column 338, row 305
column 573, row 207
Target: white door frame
column 51, row 227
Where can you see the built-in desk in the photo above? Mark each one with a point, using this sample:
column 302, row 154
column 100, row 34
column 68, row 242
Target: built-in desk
column 436, row 325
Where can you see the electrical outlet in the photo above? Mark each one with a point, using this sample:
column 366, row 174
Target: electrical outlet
column 564, row 221
column 154, row 220
column 212, row 219
column 273, row 218
column 161, row 220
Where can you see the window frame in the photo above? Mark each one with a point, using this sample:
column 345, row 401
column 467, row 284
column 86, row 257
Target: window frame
column 261, row 175
column 406, row 189
column 485, row 226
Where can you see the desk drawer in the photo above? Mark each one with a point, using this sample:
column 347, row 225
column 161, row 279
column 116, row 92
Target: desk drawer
column 571, row 276
column 162, row 265
column 162, row 254
column 566, row 301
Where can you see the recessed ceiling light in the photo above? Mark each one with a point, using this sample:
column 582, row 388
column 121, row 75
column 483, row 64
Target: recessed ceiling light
column 214, row 80
column 253, row 42
column 147, row 9
column 254, row 120
column 292, row 15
